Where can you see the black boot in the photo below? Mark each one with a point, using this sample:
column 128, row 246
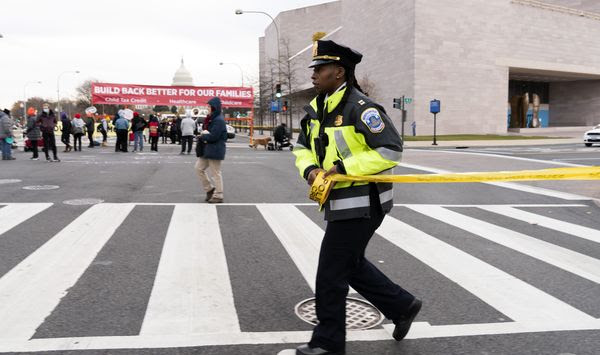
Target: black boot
column 403, row 324
column 307, row 350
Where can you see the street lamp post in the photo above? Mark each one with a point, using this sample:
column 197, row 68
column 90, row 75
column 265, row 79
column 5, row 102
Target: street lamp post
column 58, row 87
column 25, row 97
column 241, row 12
column 237, row 65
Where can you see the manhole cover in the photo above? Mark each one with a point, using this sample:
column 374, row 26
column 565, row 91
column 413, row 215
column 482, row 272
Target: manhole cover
column 41, row 187
column 359, row 314
column 9, row 181
column 83, row 201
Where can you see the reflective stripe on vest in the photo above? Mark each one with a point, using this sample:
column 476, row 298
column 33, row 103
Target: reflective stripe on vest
column 341, row 144
column 389, row 154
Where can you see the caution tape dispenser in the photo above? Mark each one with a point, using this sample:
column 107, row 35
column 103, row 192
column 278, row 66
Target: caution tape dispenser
column 320, row 188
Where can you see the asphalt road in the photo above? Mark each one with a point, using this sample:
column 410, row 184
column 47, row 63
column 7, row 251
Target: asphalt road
column 117, row 253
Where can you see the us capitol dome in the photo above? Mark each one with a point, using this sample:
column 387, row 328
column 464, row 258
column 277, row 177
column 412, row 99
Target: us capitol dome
column 182, row 76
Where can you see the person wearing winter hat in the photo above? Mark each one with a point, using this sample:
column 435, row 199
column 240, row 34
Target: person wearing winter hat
column 65, row 137
column 187, row 133
column 213, row 153
column 138, row 124
column 32, row 130
column 47, row 121
column 89, row 128
column 77, row 128
column 153, row 127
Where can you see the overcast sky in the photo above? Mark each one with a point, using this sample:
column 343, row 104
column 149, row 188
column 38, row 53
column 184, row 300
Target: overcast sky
column 128, row 41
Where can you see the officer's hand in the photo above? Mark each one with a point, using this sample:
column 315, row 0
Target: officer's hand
column 313, row 175
column 333, row 170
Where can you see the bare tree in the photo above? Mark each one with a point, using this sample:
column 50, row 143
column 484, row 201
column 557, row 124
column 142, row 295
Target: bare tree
column 84, row 94
column 368, row 86
column 84, row 99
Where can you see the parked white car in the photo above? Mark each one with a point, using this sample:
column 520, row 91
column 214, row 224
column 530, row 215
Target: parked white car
column 592, row 136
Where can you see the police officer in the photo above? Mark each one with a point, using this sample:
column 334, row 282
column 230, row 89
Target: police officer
column 344, row 132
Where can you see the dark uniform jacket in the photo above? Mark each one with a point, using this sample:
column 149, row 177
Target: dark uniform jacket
column 358, row 137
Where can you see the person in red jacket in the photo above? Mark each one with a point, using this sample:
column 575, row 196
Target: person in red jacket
column 153, row 128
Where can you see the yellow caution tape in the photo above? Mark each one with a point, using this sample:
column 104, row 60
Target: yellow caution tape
column 322, row 186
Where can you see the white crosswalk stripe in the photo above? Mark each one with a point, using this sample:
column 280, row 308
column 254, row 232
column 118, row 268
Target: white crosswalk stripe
column 506, row 293
column 30, row 291
column 577, row 263
column 192, row 291
column 299, row 235
column 16, row 213
column 192, row 302
column 547, row 222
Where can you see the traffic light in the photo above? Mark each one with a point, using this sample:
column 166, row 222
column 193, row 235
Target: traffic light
column 399, row 103
column 278, row 90
column 285, row 106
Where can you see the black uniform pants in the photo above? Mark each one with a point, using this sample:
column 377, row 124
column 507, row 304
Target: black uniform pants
column 49, row 144
column 342, row 263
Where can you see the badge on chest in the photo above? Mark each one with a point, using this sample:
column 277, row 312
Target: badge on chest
column 339, row 120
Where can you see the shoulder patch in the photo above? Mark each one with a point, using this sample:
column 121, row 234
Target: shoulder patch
column 372, row 119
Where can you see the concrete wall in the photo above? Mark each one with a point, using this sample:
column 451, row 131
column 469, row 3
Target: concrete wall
column 384, row 32
column 460, row 52
column 464, row 51
column 584, row 5
column 296, row 28
column 575, row 103
column 457, row 43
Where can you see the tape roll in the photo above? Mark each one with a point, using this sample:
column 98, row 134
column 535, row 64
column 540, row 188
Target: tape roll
column 320, row 189
column 322, row 186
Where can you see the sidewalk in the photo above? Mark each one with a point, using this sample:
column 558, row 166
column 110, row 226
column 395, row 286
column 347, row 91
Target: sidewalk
column 561, row 137
column 494, row 142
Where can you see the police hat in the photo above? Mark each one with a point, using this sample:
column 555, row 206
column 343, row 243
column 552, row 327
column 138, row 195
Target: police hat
column 325, row 52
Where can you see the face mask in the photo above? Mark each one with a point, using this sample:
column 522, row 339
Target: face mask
column 46, row 110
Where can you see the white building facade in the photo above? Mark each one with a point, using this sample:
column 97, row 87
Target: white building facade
column 472, row 55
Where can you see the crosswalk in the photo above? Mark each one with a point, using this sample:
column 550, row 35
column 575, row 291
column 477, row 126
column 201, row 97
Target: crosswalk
column 195, row 297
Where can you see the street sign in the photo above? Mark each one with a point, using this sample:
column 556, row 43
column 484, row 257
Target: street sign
column 435, row 106
column 275, row 106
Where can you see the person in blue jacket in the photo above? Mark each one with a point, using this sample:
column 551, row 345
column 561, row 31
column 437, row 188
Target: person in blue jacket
column 212, row 153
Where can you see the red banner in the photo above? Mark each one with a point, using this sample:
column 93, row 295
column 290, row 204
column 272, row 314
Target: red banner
column 150, row 95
